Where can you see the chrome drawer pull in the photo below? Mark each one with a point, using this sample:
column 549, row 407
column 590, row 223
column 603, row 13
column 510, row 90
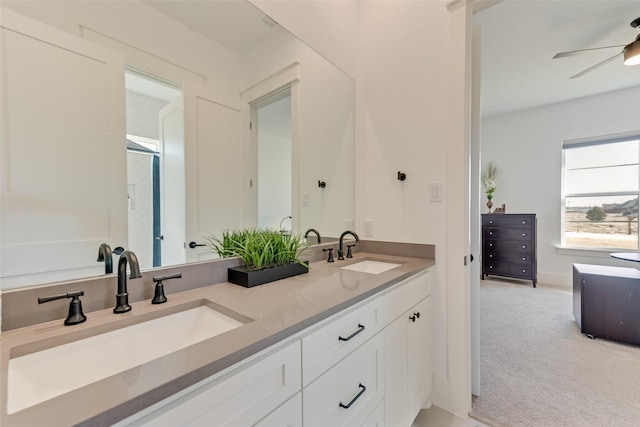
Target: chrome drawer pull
column 360, row 329
column 348, row 405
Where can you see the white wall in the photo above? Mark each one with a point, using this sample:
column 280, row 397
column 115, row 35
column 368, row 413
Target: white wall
column 526, row 147
column 398, row 53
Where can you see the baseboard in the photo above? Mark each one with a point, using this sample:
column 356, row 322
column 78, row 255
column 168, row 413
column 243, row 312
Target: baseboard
column 555, row 279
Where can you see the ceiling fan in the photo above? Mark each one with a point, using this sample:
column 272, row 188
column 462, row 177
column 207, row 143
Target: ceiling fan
column 631, row 53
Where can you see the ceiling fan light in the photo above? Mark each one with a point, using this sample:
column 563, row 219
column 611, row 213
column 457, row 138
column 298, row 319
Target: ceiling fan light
column 632, row 53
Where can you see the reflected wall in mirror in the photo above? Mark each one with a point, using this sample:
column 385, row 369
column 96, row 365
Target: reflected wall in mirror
column 68, row 181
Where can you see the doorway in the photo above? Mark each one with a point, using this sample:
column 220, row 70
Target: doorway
column 272, row 119
column 147, row 174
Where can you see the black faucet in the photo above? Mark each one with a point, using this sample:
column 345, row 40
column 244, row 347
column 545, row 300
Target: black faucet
column 313, row 230
column 122, row 297
column 340, row 251
column 105, row 255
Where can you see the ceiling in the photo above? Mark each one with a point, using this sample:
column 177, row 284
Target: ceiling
column 236, row 25
column 520, row 37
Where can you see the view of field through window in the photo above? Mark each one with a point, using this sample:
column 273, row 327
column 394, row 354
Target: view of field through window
column 601, row 182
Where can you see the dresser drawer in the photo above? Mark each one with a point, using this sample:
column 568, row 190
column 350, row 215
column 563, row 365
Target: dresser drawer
column 509, row 221
column 350, row 392
column 519, row 234
column 324, row 347
column 509, row 269
column 514, row 257
column 491, row 245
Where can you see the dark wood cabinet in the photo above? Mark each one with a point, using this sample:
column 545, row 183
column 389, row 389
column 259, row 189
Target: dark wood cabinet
column 509, row 246
column 606, row 301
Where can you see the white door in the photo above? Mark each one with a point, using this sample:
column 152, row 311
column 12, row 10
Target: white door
column 172, row 177
column 214, row 167
column 70, row 93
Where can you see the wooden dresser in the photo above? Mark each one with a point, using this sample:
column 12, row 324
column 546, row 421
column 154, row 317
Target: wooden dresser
column 509, row 246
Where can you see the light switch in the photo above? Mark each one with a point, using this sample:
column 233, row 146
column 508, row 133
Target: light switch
column 435, row 192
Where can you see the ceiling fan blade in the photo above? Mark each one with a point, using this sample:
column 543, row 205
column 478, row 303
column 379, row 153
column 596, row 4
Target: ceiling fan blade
column 599, row 64
column 581, row 51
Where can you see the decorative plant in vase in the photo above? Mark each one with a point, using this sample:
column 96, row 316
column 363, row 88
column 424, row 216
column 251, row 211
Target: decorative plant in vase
column 489, row 183
column 267, row 255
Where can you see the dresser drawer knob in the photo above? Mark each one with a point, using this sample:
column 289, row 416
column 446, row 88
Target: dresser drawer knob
column 524, row 222
column 491, row 256
column 524, row 246
column 491, row 244
column 524, row 271
column 524, row 234
column 491, row 233
column 524, row 259
column 490, row 222
column 490, row 267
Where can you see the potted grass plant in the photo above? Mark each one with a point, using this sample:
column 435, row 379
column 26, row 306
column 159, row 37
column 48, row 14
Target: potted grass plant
column 268, row 255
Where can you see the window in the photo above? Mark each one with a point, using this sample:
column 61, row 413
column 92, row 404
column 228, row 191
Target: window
column 600, row 193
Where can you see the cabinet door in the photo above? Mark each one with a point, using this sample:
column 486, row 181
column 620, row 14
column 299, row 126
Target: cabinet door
column 419, row 357
column 396, row 371
column 408, row 365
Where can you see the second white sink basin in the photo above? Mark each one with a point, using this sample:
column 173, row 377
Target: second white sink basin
column 42, row 375
column 371, row 266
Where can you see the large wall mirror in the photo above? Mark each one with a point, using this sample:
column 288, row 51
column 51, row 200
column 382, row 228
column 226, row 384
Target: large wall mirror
column 148, row 125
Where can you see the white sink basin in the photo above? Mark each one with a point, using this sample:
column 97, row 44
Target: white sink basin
column 42, row 375
column 371, row 266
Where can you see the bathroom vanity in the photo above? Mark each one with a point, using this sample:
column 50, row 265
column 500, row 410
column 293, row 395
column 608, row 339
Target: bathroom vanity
column 336, row 346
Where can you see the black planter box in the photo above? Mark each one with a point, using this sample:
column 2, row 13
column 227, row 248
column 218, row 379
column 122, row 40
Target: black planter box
column 248, row 279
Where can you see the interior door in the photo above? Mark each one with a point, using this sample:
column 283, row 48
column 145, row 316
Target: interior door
column 53, row 218
column 213, row 165
column 172, row 183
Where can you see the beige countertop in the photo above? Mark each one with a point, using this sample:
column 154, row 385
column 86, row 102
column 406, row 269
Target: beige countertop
column 277, row 310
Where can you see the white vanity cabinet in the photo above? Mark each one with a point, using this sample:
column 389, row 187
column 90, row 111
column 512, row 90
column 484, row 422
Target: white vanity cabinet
column 242, row 397
column 408, row 352
column 368, row 365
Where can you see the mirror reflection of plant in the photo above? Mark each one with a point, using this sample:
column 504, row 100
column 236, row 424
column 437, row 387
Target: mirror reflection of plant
column 259, row 248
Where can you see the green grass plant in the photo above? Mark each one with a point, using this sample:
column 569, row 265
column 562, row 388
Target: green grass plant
column 259, row 248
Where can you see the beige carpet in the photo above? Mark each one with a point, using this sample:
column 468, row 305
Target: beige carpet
column 537, row 369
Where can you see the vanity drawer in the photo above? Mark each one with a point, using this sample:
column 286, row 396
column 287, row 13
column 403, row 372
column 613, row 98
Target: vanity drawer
column 405, row 294
column 241, row 397
column 326, row 346
column 350, row 392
